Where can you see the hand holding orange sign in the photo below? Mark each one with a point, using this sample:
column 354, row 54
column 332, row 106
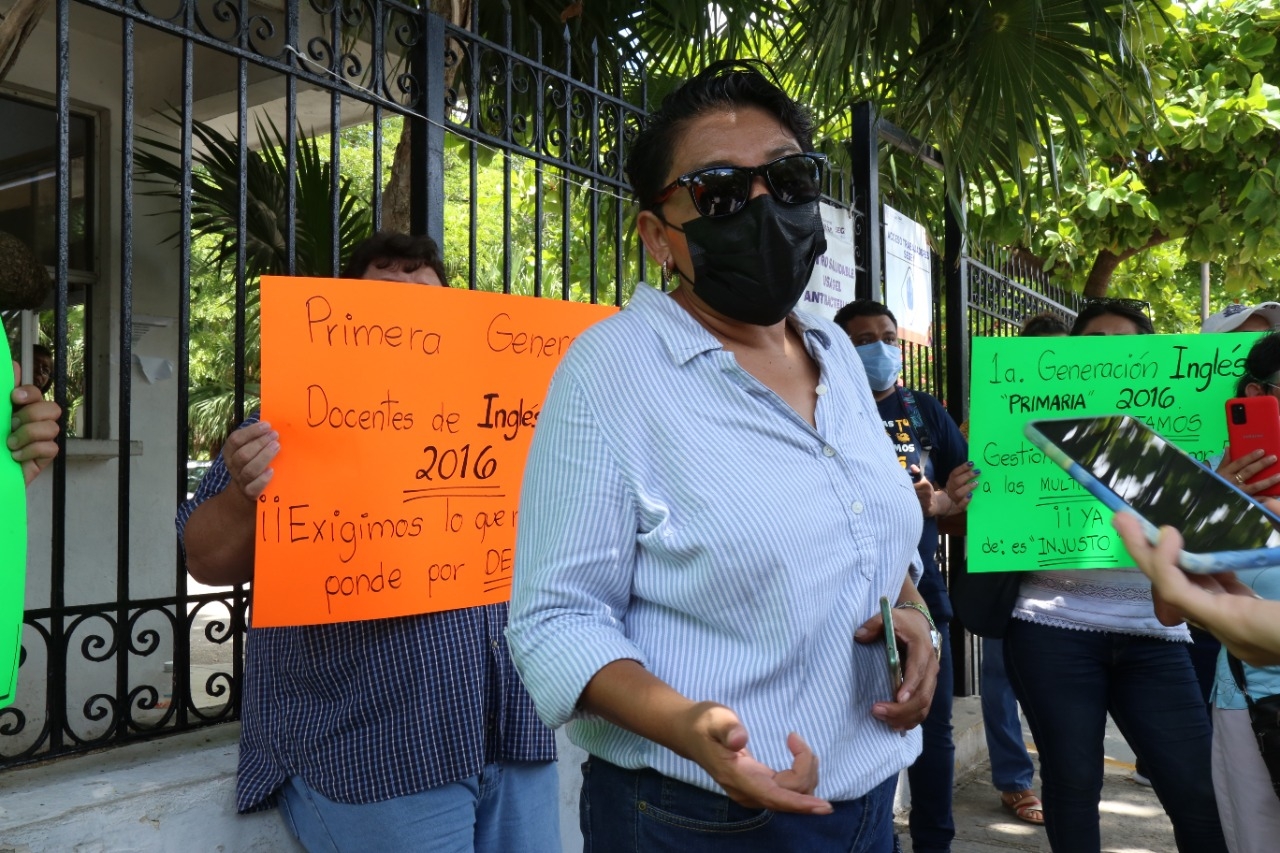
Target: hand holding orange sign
column 405, row 414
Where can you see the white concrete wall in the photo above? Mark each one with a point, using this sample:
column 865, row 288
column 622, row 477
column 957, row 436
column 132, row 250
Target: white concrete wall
column 177, row 793
column 168, row 795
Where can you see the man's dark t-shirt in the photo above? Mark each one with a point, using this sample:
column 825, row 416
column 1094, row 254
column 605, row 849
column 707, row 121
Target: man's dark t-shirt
column 949, row 450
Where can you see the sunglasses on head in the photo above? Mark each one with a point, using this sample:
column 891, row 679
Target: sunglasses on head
column 1122, row 301
column 724, row 190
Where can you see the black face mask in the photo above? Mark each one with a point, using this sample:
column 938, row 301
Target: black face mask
column 753, row 266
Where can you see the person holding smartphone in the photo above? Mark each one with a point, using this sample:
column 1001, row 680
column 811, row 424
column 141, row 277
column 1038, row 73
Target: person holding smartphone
column 710, row 515
column 1082, row 644
column 1247, row 804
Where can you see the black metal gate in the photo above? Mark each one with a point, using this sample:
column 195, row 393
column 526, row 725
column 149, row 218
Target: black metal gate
column 513, row 165
column 191, row 146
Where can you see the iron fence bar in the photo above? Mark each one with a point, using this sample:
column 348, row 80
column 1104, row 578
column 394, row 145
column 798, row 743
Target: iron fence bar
column 433, row 86
column 335, row 148
column 241, row 299
column 291, row 145
column 565, row 192
column 473, row 173
column 644, row 104
column 865, row 155
column 181, row 693
column 124, row 633
column 593, row 198
column 376, row 71
column 508, row 132
column 55, row 652
column 539, row 131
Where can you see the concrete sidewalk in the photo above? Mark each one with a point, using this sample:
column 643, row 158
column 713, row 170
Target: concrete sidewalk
column 1132, row 818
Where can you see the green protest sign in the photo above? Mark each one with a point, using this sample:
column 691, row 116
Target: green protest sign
column 13, row 549
column 1028, row 515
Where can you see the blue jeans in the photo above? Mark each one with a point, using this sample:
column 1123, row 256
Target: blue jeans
column 1011, row 766
column 1067, row 682
column 932, row 776
column 509, row 806
column 642, row 811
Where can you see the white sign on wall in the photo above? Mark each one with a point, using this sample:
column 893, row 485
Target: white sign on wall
column 831, row 284
column 908, row 277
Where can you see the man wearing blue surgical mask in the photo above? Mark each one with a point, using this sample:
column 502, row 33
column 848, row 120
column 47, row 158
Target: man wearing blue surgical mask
column 927, row 440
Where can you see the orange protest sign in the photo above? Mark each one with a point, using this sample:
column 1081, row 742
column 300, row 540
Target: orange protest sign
column 405, row 414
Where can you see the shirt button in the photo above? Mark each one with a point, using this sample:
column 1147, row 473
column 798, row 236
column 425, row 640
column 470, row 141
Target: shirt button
column 493, row 643
column 857, row 507
column 820, row 390
column 828, row 451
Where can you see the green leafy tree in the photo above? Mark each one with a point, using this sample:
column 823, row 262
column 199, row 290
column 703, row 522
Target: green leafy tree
column 1200, row 177
column 981, row 79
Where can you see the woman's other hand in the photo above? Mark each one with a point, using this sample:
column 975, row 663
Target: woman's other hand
column 709, row 734
column 717, row 740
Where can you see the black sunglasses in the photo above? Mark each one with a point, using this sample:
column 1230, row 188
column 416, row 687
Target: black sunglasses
column 724, row 190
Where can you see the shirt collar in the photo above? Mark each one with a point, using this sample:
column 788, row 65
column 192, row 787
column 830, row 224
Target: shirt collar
column 684, row 337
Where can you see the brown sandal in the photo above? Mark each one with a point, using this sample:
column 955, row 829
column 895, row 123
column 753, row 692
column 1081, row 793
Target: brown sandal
column 1025, row 805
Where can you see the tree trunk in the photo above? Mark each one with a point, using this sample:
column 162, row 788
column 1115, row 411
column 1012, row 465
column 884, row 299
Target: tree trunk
column 395, row 197
column 1107, row 261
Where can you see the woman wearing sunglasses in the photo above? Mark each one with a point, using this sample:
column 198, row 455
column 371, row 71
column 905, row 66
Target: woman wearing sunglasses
column 711, row 515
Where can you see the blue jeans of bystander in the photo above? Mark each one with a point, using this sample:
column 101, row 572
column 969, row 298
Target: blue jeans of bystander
column 1067, row 681
column 1011, row 766
column 509, row 806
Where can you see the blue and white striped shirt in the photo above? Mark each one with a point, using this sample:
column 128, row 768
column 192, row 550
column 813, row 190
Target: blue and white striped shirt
column 677, row 512
column 368, row 711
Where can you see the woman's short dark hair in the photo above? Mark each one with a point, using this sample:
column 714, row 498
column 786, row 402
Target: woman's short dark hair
column 387, row 249
column 1262, row 363
column 1126, row 308
column 1043, row 325
column 724, row 84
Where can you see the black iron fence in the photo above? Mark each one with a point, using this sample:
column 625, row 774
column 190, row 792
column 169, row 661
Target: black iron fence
column 998, row 291
column 515, row 166
column 1004, row 289
column 220, row 147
